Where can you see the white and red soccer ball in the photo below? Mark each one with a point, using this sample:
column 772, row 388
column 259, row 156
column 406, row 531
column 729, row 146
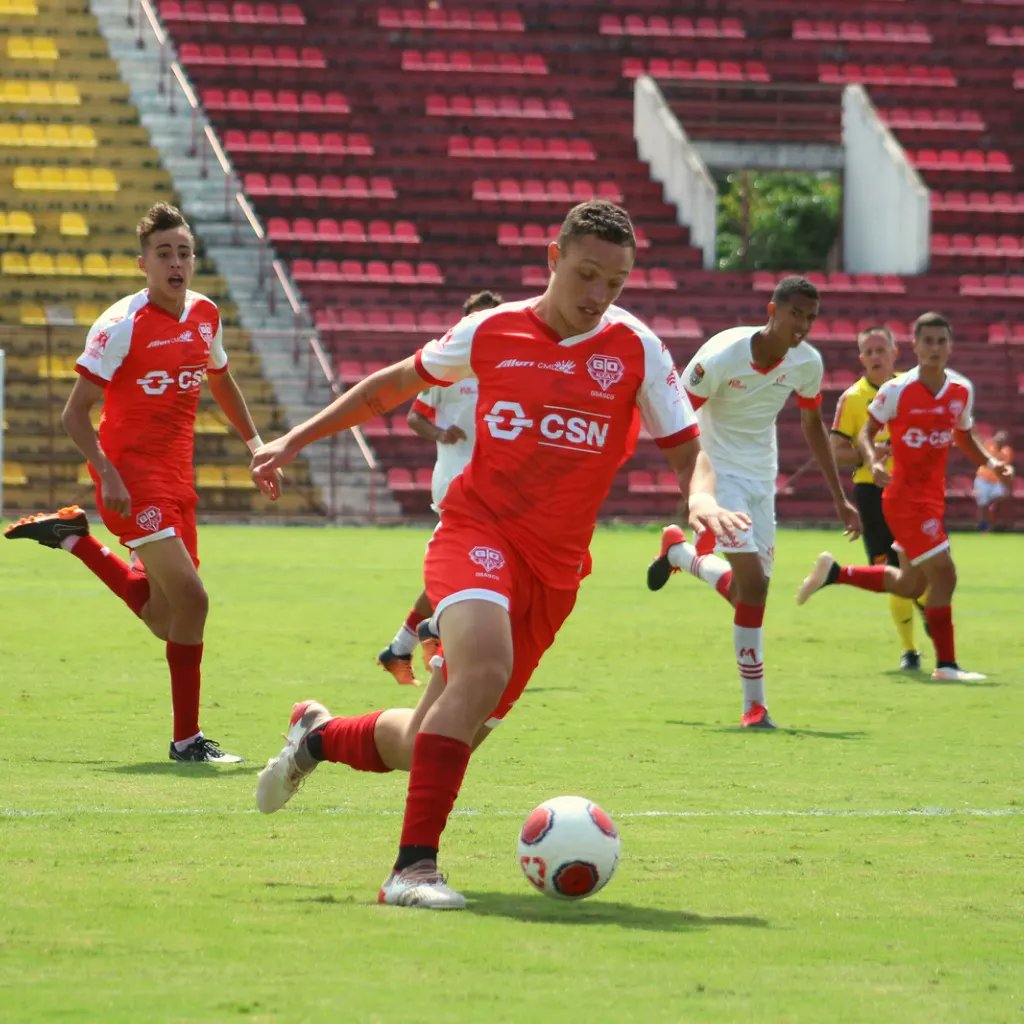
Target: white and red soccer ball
column 568, row 848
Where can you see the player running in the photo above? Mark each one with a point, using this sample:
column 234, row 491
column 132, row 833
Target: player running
column 925, row 410
column 146, row 358
column 877, row 348
column 738, row 382
column 447, row 417
column 560, row 378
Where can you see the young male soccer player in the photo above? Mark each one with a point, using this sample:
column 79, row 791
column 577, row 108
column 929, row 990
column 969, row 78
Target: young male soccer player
column 877, row 348
column 146, row 358
column 925, row 409
column 445, row 416
column 738, row 382
column 560, row 379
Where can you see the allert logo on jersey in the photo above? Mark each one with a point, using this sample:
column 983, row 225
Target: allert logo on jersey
column 606, row 370
column 149, row 519
column 488, row 559
column 915, row 437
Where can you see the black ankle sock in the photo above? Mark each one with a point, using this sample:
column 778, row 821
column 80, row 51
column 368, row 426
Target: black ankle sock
column 833, row 574
column 315, row 743
column 408, row 855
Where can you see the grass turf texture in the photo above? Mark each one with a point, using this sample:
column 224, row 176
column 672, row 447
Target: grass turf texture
column 769, row 877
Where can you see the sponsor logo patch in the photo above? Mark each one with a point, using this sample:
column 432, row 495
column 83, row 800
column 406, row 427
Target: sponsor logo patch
column 696, row 375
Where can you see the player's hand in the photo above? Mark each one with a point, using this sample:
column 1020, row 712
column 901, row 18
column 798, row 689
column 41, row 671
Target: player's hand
column 705, row 513
column 1003, row 470
column 850, row 518
column 879, row 473
column 114, row 493
column 270, row 485
column 452, row 435
column 268, row 459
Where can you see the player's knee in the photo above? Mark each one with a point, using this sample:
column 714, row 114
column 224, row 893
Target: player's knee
column 192, row 600
column 479, row 686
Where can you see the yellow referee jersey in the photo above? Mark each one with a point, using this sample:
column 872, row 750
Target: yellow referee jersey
column 851, row 415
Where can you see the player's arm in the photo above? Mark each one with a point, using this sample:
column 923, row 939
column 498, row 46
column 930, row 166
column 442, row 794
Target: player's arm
column 430, row 431
column 969, row 443
column 381, row 391
column 818, row 441
column 870, row 451
column 697, row 483
column 78, row 425
column 228, row 395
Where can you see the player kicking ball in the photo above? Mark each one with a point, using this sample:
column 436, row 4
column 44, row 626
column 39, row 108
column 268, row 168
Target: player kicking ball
column 925, row 410
column 561, row 379
column 146, row 358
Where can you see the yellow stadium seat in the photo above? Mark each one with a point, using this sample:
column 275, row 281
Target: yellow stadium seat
column 45, row 48
column 56, row 367
column 36, row 135
column 208, row 422
column 123, row 266
column 52, row 179
column 32, row 315
column 19, row 222
column 103, row 180
column 21, row 8
column 87, row 313
column 74, row 225
column 20, row 48
column 209, row 476
column 41, row 264
column 13, row 263
column 82, row 136
column 40, row 92
column 15, row 91
column 238, row 478
column 10, row 134
column 84, row 479
column 26, row 178
column 14, row 472
column 68, row 265
column 94, row 264
column 76, row 179
column 67, row 94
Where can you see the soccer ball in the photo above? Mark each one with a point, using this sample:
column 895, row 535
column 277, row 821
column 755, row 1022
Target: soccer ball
column 568, row 848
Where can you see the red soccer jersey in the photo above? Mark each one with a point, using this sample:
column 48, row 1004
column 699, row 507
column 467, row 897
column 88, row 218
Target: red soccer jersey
column 152, row 366
column 554, row 420
column 921, row 427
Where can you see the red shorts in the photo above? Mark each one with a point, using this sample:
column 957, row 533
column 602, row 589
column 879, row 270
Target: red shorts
column 917, row 527
column 160, row 509
column 469, row 560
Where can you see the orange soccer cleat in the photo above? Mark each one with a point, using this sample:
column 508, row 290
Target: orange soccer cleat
column 399, row 665
column 50, row 528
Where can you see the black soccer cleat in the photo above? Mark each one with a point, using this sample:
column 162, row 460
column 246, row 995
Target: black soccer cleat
column 661, row 568
column 203, row 749
column 50, row 528
column 910, row 661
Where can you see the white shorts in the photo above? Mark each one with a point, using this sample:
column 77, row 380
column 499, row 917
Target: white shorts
column 987, row 491
column 757, row 499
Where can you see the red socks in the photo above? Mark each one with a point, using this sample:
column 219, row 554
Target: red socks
column 184, row 661
column 940, row 627
column 866, row 577
column 723, row 584
column 350, row 741
column 132, row 587
column 435, row 778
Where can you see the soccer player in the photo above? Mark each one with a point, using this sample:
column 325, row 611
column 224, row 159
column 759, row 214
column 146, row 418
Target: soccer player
column 990, row 492
column 925, row 409
column 877, row 347
column 738, row 382
column 445, row 416
column 560, row 379
column 146, row 358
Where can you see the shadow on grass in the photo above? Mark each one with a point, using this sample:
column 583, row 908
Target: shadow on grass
column 925, row 679
column 530, row 907
column 186, row 769
column 821, row 734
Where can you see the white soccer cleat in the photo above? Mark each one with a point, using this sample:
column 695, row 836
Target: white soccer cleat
column 955, row 674
column 283, row 777
column 817, row 578
column 420, row 885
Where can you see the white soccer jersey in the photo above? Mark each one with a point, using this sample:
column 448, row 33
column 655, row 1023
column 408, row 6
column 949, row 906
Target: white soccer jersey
column 450, row 407
column 737, row 420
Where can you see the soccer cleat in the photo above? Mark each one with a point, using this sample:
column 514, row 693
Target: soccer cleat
column 399, row 665
column 757, row 718
column 283, row 776
column 203, row 749
column 818, row 577
column 955, row 674
column 661, row 568
column 50, row 528
column 430, row 642
column 420, row 885
column 910, row 661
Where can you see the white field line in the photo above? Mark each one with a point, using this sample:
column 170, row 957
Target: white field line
column 817, row 812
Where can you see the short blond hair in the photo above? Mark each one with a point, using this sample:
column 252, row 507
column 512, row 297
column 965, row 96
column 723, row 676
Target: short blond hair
column 882, row 329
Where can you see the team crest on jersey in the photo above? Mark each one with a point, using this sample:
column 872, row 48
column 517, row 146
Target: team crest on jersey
column 97, row 344
column 696, row 375
column 956, row 407
column 206, row 333
column 931, row 527
column 606, row 370
column 149, row 519
column 487, row 558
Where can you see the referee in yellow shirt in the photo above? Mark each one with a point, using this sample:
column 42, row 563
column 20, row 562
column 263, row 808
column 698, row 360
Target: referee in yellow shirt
column 877, row 347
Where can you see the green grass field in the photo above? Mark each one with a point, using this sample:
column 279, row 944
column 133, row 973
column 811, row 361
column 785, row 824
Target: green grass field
column 863, row 864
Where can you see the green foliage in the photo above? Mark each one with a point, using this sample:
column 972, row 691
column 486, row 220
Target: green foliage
column 841, row 869
column 790, row 221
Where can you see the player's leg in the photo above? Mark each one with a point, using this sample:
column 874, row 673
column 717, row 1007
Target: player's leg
column 396, row 658
column 940, row 573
